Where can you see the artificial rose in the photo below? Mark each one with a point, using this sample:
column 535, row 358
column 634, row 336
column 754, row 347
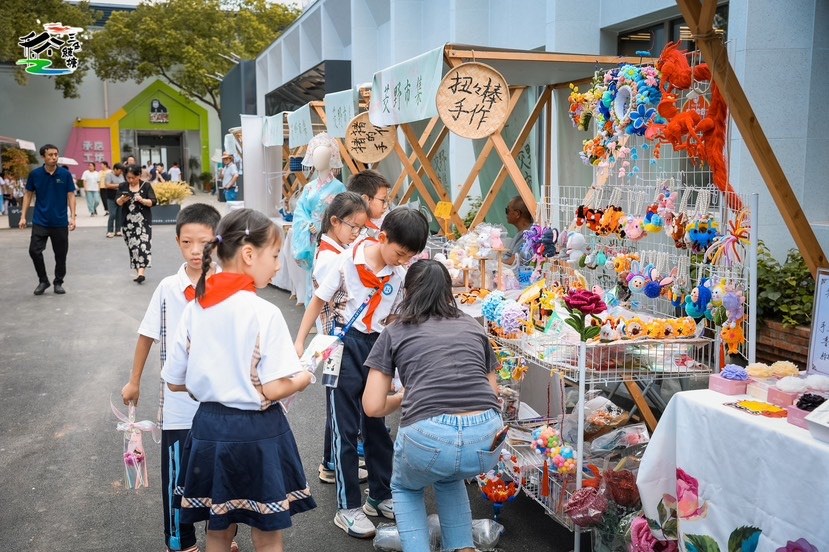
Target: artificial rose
column 800, row 545
column 642, row 540
column 585, row 301
column 687, row 497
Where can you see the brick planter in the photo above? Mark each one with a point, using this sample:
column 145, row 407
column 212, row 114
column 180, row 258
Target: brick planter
column 778, row 342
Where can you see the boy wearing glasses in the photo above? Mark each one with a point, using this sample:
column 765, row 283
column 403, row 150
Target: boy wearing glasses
column 375, row 190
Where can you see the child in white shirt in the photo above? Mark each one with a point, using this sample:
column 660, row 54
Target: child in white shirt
column 195, row 227
column 342, row 223
column 233, row 354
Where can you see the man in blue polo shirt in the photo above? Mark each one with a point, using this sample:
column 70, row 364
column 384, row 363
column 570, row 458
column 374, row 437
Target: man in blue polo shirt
column 55, row 190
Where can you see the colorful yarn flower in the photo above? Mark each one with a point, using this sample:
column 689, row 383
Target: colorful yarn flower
column 511, row 316
column 734, row 372
column 490, row 304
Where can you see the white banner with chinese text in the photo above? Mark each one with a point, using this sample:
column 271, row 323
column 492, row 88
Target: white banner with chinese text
column 405, row 92
column 340, row 108
column 300, row 131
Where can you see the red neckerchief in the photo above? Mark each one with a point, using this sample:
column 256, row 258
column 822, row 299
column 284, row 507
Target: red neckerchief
column 189, row 293
column 371, row 281
column 224, row 284
column 325, row 246
column 371, row 226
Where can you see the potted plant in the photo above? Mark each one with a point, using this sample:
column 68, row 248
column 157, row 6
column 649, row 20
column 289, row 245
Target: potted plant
column 16, row 167
column 785, row 294
column 206, row 179
column 169, row 196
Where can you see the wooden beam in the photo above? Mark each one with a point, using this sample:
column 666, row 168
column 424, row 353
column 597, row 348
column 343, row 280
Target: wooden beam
column 526, row 192
column 426, row 164
column 398, row 184
column 416, row 180
column 706, row 18
column 444, row 132
column 640, row 401
column 515, row 95
column 714, row 52
column 454, row 54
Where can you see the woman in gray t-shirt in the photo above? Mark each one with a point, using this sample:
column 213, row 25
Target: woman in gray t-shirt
column 450, row 428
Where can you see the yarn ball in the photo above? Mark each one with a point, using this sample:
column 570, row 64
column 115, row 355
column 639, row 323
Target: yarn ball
column 817, row 382
column 734, row 372
column 783, row 368
column 791, row 384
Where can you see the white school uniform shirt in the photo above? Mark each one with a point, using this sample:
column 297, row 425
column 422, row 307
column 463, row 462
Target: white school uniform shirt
column 347, row 279
column 176, row 410
column 325, row 263
column 224, row 353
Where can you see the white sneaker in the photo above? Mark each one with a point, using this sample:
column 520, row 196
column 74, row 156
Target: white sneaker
column 355, row 523
column 375, row 508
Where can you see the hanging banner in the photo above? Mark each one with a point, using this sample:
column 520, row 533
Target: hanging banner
column 300, row 130
column 404, row 93
column 473, row 100
column 340, row 108
column 89, row 145
column 273, row 130
column 367, row 143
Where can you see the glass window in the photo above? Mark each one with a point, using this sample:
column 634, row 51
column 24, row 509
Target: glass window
column 650, row 39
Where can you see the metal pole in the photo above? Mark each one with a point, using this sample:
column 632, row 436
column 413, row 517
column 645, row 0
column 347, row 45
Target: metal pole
column 580, row 427
column 754, row 202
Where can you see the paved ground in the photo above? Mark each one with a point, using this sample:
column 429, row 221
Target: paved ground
column 64, row 357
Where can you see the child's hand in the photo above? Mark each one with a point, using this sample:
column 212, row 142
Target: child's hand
column 304, row 379
column 130, row 392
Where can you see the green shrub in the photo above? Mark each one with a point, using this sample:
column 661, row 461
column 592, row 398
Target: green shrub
column 785, row 292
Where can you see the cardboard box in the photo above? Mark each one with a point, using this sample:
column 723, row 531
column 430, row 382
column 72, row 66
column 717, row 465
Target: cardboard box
column 726, row 386
column 797, row 417
column 759, row 389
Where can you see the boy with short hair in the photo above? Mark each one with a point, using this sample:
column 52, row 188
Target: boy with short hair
column 195, row 227
column 371, row 272
column 375, row 190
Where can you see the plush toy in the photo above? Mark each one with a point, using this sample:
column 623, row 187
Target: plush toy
column 733, row 337
column 653, row 221
column 685, row 327
column 656, row 329
column 634, row 228
column 611, row 222
column 609, row 331
column 697, row 301
column 666, row 207
column 700, row 234
column 655, row 284
column 676, row 230
column 547, row 244
column 675, row 69
column 638, row 277
column 593, row 218
column 733, row 302
column 576, row 246
column 634, row 328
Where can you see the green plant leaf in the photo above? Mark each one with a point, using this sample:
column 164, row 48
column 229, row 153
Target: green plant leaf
column 670, row 529
column 663, row 513
column 573, row 323
column 654, row 525
column 701, row 543
column 744, row 539
column 591, row 332
column 772, row 295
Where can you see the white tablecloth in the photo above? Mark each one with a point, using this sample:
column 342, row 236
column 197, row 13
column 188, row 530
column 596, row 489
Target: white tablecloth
column 751, row 471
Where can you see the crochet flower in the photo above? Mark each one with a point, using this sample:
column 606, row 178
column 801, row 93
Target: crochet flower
column 640, row 118
column 511, row 316
column 734, row 372
column 581, row 304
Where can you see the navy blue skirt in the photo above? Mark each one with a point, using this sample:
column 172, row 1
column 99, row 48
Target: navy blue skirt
column 242, row 466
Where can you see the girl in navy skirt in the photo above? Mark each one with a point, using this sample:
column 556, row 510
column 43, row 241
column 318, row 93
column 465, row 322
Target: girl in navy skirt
column 233, row 353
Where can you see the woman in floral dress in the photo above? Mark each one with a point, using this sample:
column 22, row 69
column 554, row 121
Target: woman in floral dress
column 135, row 199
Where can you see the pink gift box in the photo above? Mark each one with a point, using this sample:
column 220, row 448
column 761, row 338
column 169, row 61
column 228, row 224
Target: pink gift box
column 726, row 386
column 780, row 398
column 758, row 389
column 797, row 417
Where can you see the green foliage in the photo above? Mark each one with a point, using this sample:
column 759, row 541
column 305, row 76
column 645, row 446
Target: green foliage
column 183, row 41
column 21, row 17
column 785, row 292
column 475, row 203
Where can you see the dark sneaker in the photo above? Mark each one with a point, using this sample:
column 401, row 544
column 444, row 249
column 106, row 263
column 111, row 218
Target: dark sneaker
column 59, row 289
column 41, row 287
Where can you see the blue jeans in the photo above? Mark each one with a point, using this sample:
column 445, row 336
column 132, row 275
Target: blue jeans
column 93, row 199
column 441, row 452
